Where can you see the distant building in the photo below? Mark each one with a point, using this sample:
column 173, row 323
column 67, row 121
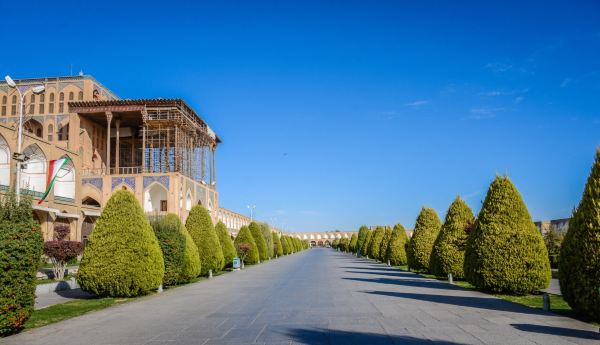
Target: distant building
column 560, row 225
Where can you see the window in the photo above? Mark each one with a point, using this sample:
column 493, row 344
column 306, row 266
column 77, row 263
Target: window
column 80, row 97
column 63, row 133
column 42, row 101
column 163, row 205
column 61, row 107
column 61, row 97
column 52, row 97
column 42, row 108
column 4, row 100
column 51, row 105
column 32, row 104
column 50, row 132
column 13, row 108
column 71, row 96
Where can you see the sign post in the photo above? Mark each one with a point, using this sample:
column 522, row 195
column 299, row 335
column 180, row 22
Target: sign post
column 236, row 263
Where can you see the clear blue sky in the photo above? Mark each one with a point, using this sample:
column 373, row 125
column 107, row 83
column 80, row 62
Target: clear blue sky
column 337, row 114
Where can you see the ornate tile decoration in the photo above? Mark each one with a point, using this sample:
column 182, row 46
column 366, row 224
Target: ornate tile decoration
column 95, row 181
column 115, row 181
column 162, row 179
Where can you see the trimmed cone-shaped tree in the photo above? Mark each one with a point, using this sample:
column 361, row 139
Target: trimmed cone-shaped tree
column 122, row 256
column 364, row 249
column 579, row 261
column 172, row 244
column 261, row 245
column 191, row 260
column 265, row 229
column 277, row 247
column 362, row 236
column 396, row 251
column 375, row 244
column 244, row 236
column 385, row 242
column 200, row 226
column 505, row 251
column 226, row 243
column 353, row 241
column 21, row 246
column 426, row 230
column 448, row 254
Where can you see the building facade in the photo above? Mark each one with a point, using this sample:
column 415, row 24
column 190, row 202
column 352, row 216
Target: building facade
column 159, row 149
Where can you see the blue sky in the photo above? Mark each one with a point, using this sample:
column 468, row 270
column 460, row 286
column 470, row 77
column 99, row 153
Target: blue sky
column 337, row 114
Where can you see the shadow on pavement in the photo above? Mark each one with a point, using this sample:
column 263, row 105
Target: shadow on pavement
column 466, row 301
column 398, row 273
column 422, row 283
column 565, row 332
column 325, row 336
column 75, row 294
column 375, row 268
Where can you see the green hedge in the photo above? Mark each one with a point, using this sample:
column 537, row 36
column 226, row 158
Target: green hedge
column 375, row 244
column 21, row 246
column 172, row 244
column 244, row 236
column 364, row 249
column 385, row 242
column 353, row 241
column 579, row 263
column 226, row 243
column 199, row 225
column 266, row 233
column 396, row 251
column 362, row 236
column 448, row 254
column 122, row 256
column 261, row 245
column 505, row 251
column 420, row 246
column 277, row 246
column 191, row 259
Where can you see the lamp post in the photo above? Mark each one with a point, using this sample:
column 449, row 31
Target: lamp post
column 251, row 207
column 18, row 156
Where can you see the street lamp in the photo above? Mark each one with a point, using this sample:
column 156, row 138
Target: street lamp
column 252, row 208
column 22, row 90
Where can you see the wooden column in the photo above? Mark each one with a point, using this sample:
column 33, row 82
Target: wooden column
column 118, row 147
column 109, row 116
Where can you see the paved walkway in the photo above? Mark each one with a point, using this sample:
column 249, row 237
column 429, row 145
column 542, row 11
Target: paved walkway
column 316, row 297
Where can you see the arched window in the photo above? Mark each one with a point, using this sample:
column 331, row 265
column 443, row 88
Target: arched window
column 61, row 104
column 155, row 198
column 63, row 132
column 50, row 132
column 4, row 100
column 4, row 163
column 61, row 97
column 89, row 201
column 34, row 171
column 64, row 184
column 41, row 106
column 80, row 96
column 188, row 202
column 51, row 105
column 32, row 104
column 71, row 96
column 13, row 108
column 34, row 127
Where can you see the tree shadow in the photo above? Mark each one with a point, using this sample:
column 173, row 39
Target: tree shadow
column 75, row 294
column 489, row 303
column 374, row 268
column 421, row 283
column 398, row 273
column 560, row 331
column 325, row 336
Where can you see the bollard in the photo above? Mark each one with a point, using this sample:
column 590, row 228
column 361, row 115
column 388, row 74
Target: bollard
column 450, row 279
column 160, row 288
column 209, row 274
column 389, row 264
column 546, row 298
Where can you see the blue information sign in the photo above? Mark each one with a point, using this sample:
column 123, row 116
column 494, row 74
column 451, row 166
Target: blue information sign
column 236, row 263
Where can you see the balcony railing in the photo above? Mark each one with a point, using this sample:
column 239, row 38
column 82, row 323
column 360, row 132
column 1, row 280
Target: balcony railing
column 114, row 171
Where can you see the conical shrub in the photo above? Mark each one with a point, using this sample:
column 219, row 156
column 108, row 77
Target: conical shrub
column 171, row 239
column 579, row 260
column 448, row 254
column 426, row 230
column 375, row 244
column 200, row 226
column 261, row 245
column 364, row 249
column 122, row 256
column 353, row 241
column 265, row 229
column 505, row 251
column 191, row 259
column 21, row 246
column 244, row 236
column 226, row 243
column 277, row 247
column 396, row 251
column 385, row 242
column 362, row 236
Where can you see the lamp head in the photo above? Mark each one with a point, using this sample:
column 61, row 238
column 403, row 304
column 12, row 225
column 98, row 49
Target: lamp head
column 10, row 81
column 39, row 89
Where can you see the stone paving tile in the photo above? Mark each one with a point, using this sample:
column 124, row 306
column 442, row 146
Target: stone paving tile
column 316, row 297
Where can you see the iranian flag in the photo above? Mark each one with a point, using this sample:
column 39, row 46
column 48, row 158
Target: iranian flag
column 55, row 166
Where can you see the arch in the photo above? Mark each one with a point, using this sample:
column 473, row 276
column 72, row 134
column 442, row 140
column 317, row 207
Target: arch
column 4, row 162
column 34, row 172
column 34, row 127
column 64, row 184
column 89, row 201
column 80, row 96
column 188, row 201
column 155, row 198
